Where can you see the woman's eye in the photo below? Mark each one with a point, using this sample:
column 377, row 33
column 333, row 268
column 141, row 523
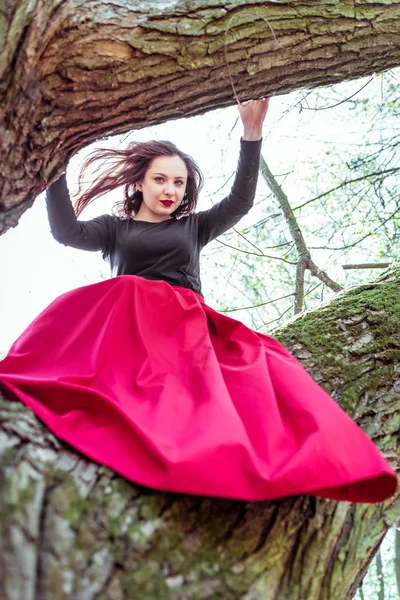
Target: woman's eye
column 159, row 179
column 179, row 183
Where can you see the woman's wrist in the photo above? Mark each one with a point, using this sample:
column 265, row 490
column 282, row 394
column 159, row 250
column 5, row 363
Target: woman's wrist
column 252, row 134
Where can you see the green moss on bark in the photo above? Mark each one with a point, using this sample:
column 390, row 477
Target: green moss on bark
column 354, row 340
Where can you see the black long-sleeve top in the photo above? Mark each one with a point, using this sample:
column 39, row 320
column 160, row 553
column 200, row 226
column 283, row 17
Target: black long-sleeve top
column 169, row 250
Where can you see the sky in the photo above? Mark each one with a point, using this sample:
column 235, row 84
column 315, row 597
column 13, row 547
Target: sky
column 36, row 269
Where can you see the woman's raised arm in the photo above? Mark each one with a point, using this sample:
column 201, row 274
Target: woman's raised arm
column 85, row 235
column 230, row 210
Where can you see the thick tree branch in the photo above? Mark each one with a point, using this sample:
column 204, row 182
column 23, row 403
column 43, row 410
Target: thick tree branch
column 73, row 72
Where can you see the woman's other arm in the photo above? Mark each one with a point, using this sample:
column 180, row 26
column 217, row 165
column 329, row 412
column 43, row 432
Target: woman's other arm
column 65, row 227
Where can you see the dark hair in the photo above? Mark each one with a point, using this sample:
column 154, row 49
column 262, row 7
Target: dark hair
column 127, row 168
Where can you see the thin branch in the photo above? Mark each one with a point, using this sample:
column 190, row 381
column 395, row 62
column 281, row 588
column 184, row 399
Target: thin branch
column 360, row 239
column 256, row 305
column 222, row 186
column 324, row 277
column 262, row 222
column 245, row 239
column 260, row 253
column 303, row 253
column 287, row 310
column 289, row 262
column 278, row 318
column 367, row 266
column 349, row 182
column 286, row 209
column 381, row 105
column 338, row 103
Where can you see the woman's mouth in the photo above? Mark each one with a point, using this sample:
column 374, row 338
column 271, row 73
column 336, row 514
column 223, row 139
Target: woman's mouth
column 166, row 202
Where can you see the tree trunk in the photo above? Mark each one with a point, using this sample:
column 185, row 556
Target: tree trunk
column 72, row 72
column 73, row 529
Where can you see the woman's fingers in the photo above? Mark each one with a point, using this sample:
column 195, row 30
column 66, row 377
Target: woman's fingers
column 252, row 115
column 254, row 112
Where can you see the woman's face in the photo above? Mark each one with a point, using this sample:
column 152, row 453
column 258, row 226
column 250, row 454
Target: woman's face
column 163, row 188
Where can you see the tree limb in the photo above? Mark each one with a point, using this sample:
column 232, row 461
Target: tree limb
column 303, row 253
column 72, row 72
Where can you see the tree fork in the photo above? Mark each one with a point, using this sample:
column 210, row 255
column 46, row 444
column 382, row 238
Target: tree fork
column 73, row 72
column 72, row 529
column 304, row 260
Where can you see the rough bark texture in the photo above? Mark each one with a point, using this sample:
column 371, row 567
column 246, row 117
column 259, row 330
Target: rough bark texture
column 72, row 71
column 72, row 529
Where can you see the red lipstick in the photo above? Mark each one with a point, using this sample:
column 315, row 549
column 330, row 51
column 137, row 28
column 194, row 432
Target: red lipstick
column 167, row 202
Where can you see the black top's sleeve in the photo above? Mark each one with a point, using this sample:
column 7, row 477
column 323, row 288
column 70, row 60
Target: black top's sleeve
column 230, row 210
column 95, row 234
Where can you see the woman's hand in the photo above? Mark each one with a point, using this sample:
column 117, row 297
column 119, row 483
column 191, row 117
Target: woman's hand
column 253, row 114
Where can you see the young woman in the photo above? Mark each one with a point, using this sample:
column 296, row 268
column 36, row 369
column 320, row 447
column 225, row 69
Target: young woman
column 139, row 374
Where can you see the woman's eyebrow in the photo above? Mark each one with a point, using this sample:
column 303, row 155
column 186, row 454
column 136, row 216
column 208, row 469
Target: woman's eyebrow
column 163, row 174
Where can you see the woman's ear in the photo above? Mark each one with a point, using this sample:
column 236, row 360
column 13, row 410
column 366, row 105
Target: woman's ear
column 139, row 186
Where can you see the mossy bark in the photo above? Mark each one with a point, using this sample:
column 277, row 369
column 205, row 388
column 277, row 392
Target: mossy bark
column 73, row 529
column 72, row 72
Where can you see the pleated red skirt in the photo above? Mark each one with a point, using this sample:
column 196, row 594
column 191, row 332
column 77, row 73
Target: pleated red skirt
column 147, row 379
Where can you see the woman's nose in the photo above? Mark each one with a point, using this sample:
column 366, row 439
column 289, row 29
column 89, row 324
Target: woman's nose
column 169, row 188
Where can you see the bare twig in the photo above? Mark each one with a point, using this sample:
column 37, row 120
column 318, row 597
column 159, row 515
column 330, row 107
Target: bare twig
column 377, row 174
column 287, row 310
column 367, row 266
column 278, row 318
column 338, row 103
column 256, row 305
column 367, row 235
column 289, row 262
column 303, row 253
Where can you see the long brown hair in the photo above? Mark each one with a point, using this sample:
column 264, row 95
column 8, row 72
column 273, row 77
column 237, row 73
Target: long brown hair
column 127, row 168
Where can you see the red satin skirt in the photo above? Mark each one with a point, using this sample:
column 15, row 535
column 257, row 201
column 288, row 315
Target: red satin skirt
column 147, row 379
